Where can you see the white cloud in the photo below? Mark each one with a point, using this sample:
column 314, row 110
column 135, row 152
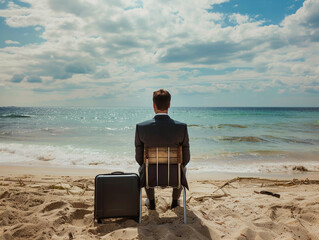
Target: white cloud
column 303, row 26
column 11, row 42
column 119, row 46
column 238, row 18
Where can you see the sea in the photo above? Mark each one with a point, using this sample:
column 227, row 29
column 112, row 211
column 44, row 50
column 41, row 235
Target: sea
column 232, row 139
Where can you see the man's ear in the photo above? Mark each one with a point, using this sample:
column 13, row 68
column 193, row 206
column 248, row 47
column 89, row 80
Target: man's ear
column 169, row 105
column 154, row 106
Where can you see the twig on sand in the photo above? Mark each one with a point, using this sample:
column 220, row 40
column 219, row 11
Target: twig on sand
column 189, row 199
column 268, row 193
column 70, row 236
column 204, row 215
column 271, row 182
column 263, row 181
column 226, row 184
column 21, row 183
column 55, row 186
column 201, row 198
column 295, row 182
column 207, row 217
column 84, row 189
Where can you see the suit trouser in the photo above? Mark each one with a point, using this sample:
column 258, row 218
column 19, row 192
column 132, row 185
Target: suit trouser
column 151, row 193
column 175, row 195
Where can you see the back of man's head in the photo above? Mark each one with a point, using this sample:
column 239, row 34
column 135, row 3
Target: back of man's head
column 162, row 99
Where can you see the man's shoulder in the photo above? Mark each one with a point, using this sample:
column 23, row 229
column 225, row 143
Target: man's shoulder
column 145, row 123
column 178, row 122
column 152, row 121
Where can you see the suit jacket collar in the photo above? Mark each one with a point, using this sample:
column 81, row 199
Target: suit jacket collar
column 161, row 116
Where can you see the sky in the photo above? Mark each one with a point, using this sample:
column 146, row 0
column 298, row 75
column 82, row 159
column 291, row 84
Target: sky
column 117, row 52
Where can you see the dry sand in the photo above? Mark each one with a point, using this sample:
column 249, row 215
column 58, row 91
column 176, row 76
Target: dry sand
column 48, row 203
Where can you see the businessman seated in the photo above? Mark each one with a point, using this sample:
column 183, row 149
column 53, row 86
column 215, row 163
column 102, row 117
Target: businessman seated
column 161, row 131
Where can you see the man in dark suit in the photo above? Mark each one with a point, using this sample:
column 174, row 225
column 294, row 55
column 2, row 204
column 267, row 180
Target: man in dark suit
column 161, row 131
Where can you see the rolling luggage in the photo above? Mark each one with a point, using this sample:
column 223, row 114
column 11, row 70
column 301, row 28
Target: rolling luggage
column 117, row 195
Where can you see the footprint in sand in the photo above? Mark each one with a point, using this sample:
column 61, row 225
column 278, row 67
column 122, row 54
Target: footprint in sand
column 53, row 205
column 34, row 202
column 8, row 218
column 25, row 232
column 248, row 233
column 22, row 201
column 79, row 214
column 6, row 194
column 80, row 205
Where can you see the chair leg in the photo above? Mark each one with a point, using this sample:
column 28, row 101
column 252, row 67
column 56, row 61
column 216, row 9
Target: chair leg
column 184, row 194
column 140, row 215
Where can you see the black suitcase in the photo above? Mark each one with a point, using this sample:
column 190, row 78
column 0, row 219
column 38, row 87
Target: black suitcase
column 117, row 195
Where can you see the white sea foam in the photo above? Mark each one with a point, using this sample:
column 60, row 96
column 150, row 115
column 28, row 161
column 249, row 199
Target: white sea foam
column 29, row 154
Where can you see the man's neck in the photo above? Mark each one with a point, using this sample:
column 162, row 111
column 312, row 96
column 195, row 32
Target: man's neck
column 161, row 112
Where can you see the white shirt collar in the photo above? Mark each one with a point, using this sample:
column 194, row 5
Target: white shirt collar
column 161, row 114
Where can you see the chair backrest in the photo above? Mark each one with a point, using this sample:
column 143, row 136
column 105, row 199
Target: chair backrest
column 163, row 155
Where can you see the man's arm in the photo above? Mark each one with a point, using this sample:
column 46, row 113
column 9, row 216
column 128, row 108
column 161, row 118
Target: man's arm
column 185, row 146
column 139, row 148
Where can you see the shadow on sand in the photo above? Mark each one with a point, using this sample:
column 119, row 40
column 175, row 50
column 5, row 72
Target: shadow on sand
column 166, row 225
column 154, row 226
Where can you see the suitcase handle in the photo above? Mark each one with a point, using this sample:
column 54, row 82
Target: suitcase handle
column 117, row 173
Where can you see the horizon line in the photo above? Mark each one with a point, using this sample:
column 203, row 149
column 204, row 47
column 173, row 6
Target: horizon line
column 152, row 107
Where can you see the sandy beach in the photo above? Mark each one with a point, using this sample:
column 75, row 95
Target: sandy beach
column 53, row 203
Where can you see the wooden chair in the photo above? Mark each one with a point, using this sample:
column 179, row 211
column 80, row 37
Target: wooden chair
column 165, row 163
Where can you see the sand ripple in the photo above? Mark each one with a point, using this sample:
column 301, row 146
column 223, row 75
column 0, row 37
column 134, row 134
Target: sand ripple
column 58, row 213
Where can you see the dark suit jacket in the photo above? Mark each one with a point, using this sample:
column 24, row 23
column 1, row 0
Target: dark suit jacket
column 161, row 131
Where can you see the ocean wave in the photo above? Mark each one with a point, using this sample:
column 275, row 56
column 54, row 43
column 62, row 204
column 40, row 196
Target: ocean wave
column 231, row 125
column 264, row 167
column 7, row 150
column 243, row 139
column 54, row 130
column 118, row 129
column 30, row 154
column 218, row 125
column 8, row 133
column 200, row 126
column 288, row 167
column 14, row 116
column 268, row 152
column 68, row 156
column 256, row 153
column 46, row 158
column 293, row 140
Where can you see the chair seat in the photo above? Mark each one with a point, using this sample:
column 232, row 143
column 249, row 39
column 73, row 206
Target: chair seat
column 163, row 168
column 163, row 175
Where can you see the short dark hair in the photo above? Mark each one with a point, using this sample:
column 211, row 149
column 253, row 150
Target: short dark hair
column 162, row 99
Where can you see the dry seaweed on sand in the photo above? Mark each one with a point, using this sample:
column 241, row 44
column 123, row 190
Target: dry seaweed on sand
column 300, row 168
column 268, row 193
column 201, row 198
column 58, row 187
column 21, row 183
column 263, row 181
column 269, row 182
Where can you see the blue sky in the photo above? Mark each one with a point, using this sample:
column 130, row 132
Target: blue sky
column 116, row 53
column 270, row 11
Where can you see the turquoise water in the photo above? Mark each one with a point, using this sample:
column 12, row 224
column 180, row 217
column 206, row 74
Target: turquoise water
column 221, row 139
